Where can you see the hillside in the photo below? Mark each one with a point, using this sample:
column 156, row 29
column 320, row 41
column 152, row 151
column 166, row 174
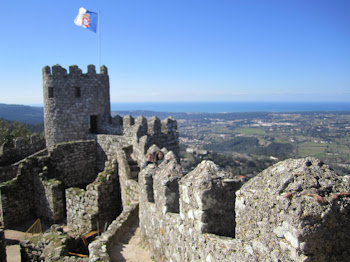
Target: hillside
column 22, row 113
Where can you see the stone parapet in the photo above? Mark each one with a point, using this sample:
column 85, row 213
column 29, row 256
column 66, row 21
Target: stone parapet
column 293, row 211
column 9, row 172
column 20, row 149
column 208, row 199
column 74, row 71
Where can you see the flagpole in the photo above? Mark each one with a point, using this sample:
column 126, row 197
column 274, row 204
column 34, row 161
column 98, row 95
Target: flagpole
column 99, row 41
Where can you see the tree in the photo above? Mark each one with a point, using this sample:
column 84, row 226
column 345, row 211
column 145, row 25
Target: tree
column 12, row 130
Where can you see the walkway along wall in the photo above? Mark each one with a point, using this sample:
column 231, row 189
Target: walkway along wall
column 296, row 210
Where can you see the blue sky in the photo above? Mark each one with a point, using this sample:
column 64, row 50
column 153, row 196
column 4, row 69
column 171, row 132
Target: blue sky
column 184, row 50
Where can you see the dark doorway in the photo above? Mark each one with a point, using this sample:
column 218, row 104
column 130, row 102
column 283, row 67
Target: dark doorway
column 93, row 124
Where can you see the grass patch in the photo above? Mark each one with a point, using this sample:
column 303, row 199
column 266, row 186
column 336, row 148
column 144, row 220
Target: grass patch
column 250, row 131
column 52, row 182
column 311, row 149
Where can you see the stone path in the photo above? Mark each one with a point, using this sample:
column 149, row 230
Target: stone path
column 13, row 253
column 129, row 249
column 12, row 248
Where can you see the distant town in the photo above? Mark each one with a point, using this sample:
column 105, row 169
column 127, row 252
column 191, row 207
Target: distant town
column 268, row 137
column 242, row 143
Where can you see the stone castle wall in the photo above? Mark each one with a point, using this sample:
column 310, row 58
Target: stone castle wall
column 73, row 163
column 98, row 249
column 296, row 210
column 17, row 197
column 164, row 134
column 97, row 206
column 75, row 104
column 22, row 148
column 49, row 199
column 89, row 171
column 129, row 149
column 37, row 189
column 139, row 133
column 38, row 182
column 2, row 245
column 8, row 172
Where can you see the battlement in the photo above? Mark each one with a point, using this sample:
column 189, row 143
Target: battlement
column 141, row 126
column 296, row 210
column 162, row 133
column 131, row 138
column 293, row 211
column 74, row 71
column 20, row 149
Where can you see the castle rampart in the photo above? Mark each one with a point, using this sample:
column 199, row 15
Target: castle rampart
column 21, row 148
column 296, row 210
column 89, row 170
column 129, row 149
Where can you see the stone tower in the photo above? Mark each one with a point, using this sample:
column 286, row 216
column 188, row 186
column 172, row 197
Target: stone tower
column 75, row 104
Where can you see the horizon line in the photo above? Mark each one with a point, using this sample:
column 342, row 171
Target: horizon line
column 196, row 101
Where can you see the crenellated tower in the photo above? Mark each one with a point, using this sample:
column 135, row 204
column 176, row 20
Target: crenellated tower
column 75, row 104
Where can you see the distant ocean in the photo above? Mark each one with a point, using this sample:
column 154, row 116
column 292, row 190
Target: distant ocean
column 220, row 107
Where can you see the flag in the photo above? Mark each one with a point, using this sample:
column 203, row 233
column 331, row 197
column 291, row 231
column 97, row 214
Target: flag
column 87, row 19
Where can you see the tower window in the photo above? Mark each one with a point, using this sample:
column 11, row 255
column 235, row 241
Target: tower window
column 77, row 92
column 50, row 92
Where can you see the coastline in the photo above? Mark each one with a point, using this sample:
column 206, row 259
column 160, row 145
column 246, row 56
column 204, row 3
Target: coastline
column 230, row 107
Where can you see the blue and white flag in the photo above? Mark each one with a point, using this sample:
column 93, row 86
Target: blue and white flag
column 87, row 19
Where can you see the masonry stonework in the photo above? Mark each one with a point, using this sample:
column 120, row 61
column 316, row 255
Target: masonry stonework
column 39, row 182
column 297, row 210
column 97, row 206
column 2, row 245
column 75, row 104
column 20, row 149
column 90, row 174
